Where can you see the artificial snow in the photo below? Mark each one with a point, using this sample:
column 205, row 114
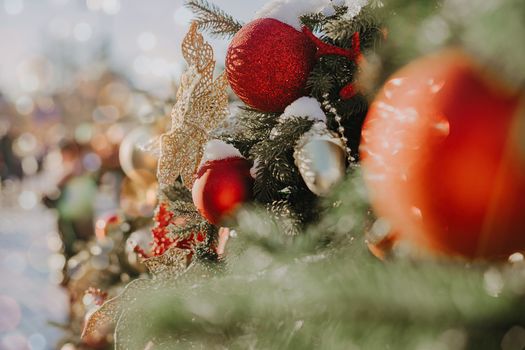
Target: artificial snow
column 290, row 11
column 217, row 150
column 307, row 107
column 353, row 6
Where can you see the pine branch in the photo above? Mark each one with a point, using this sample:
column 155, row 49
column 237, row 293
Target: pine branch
column 180, row 203
column 188, row 229
column 177, row 192
column 366, row 23
column 212, row 19
column 316, row 21
column 247, row 128
column 330, row 75
column 287, row 219
column 277, row 176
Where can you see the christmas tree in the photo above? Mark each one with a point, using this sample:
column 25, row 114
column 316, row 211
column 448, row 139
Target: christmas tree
column 346, row 203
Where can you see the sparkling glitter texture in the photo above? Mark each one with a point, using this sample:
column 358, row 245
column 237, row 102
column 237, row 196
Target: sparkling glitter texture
column 202, row 103
column 268, row 63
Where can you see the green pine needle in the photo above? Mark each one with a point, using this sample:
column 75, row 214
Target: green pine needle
column 211, row 18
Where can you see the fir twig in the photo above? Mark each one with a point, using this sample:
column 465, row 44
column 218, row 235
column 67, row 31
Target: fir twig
column 212, row 19
column 248, row 127
column 316, row 21
column 177, row 192
column 366, row 23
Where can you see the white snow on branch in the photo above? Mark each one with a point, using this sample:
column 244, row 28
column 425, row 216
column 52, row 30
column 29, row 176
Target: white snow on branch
column 290, row 11
column 353, row 6
column 307, row 107
column 217, row 150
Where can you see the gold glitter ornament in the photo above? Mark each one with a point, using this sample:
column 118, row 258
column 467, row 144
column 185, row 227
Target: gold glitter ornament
column 202, row 103
column 320, row 157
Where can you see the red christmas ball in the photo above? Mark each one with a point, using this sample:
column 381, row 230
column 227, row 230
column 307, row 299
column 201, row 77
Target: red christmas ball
column 268, row 63
column 221, row 186
column 443, row 159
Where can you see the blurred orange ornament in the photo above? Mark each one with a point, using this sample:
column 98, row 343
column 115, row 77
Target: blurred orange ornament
column 136, row 162
column 442, row 158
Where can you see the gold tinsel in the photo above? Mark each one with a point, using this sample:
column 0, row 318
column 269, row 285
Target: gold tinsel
column 202, row 103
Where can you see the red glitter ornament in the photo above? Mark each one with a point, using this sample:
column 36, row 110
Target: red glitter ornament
column 443, row 159
column 268, row 63
column 221, row 186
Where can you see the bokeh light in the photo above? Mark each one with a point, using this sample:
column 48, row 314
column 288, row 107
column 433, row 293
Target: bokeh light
column 10, row 313
column 75, row 78
column 13, row 7
column 82, row 31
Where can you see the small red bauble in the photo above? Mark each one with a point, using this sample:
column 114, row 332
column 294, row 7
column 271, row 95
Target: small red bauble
column 268, row 63
column 221, row 186
column 442, row 158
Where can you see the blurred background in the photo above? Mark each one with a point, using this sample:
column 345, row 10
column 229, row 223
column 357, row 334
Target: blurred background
column 78, row 77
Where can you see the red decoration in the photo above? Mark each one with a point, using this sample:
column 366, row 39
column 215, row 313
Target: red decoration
column 268, row 63
column 221, row 186
column 328, row 49
column 161, row 238
column 442, row 158
column 347, row 92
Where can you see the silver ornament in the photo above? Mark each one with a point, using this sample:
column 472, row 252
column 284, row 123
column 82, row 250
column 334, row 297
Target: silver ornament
column 320, row 157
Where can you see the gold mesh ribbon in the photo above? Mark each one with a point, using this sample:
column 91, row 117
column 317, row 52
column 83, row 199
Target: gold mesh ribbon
column 202, row 103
